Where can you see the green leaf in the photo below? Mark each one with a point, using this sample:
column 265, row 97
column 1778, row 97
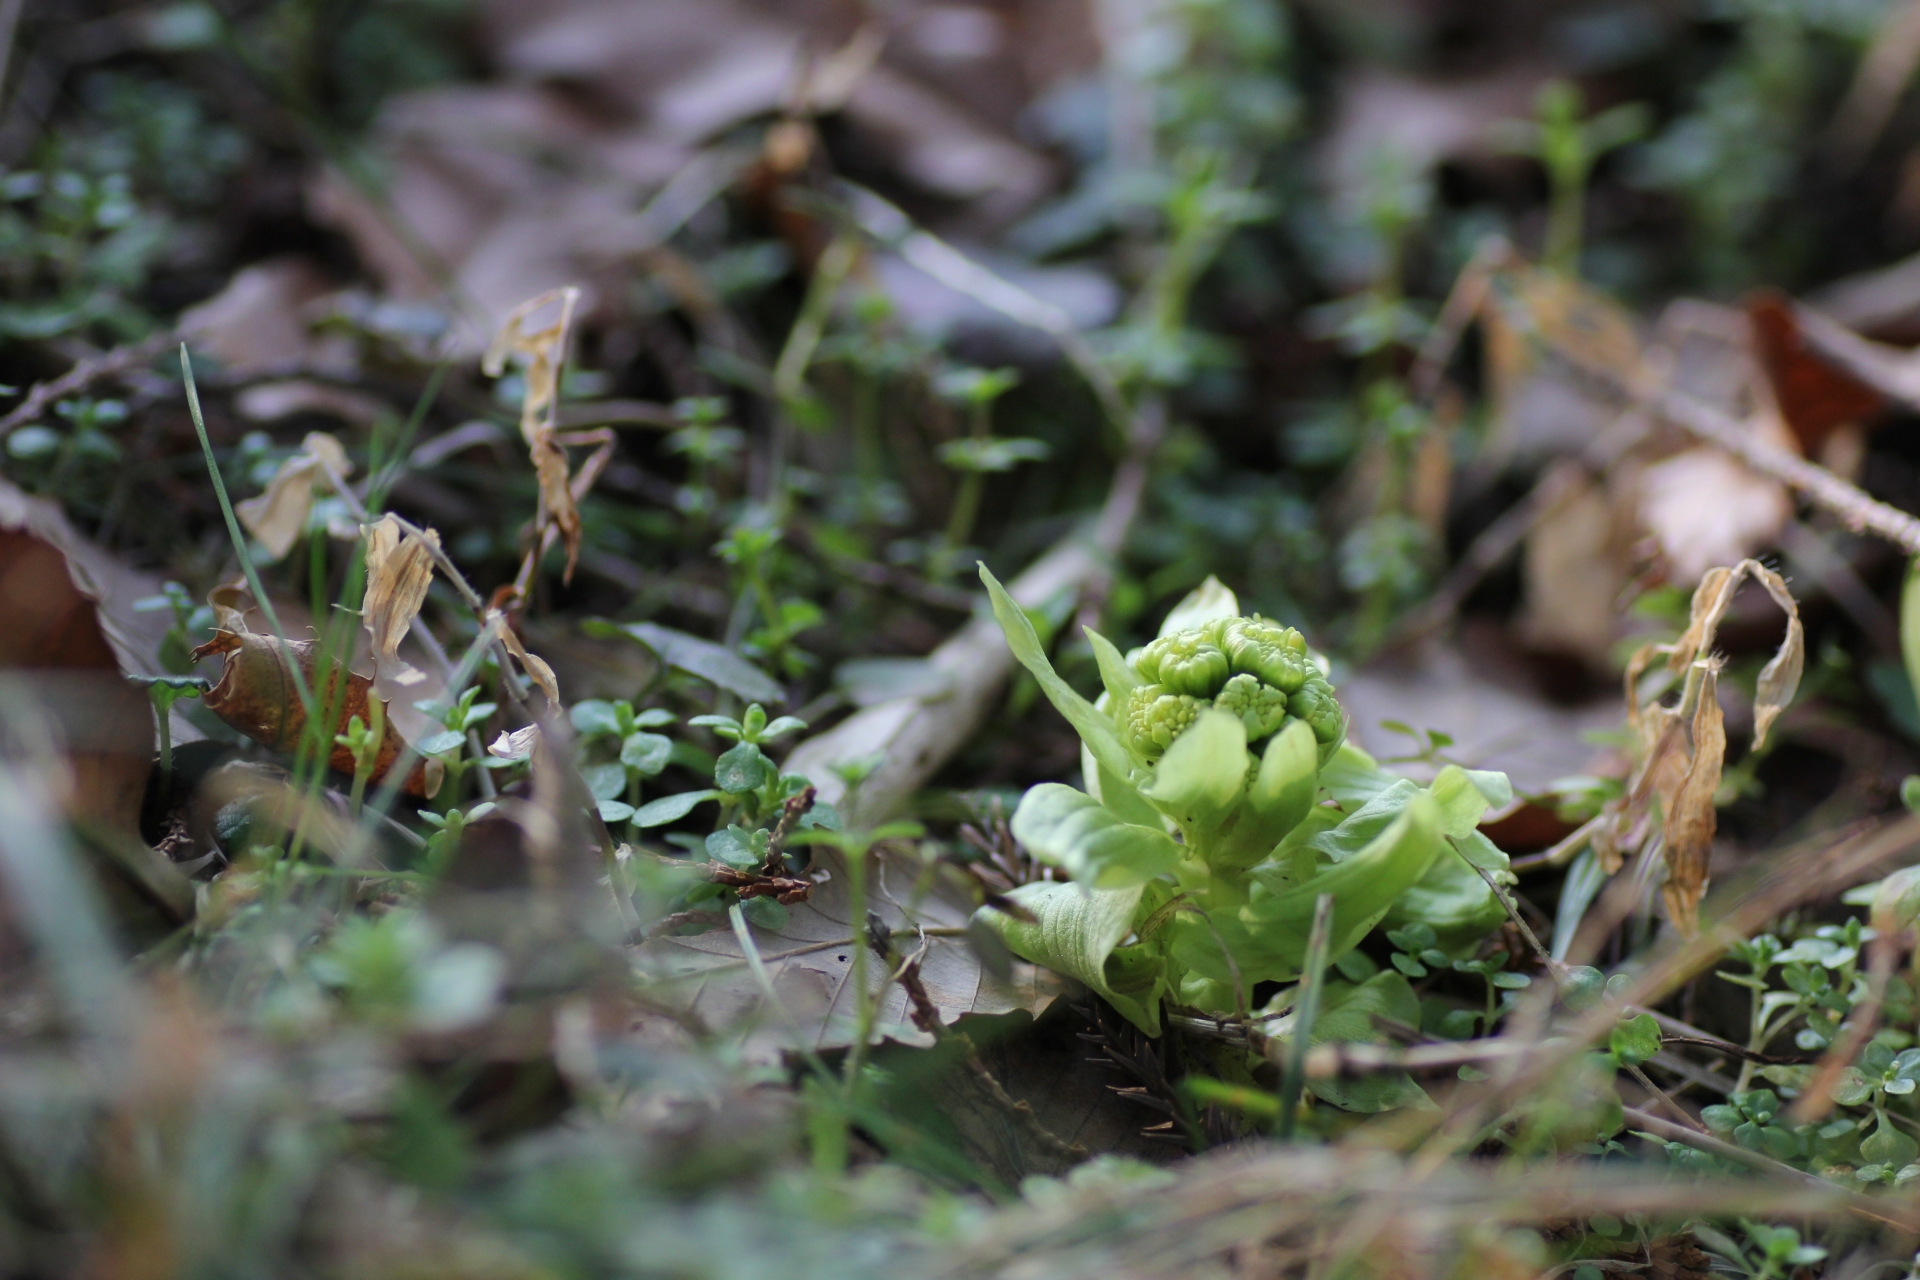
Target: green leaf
column 658, row 813
column 1462, row 800
column 1634, row 1040
column 741, row 768
column 647, row 752
column 1094, row 728
column 1453, row 901
column 716, row 664
column 1203, row 773
column 442, row 742
column 1889, row 1146
column 1076, row 929
column 1211, row 601
column 612, row 811
column 593, row 717
column 1071, row 830
column 1347, row 1016
column 604, row 781
column 732, row 846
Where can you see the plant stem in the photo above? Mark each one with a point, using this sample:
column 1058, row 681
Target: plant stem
column 1312, row 980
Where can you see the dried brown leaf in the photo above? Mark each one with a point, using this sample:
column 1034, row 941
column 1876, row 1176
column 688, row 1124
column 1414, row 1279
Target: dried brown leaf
column 1691, row 819
column 258, row 694
column 1705, row 508
column 399, row 571
column 540, row 353
column 1710, row 601
column 536, row 667
column 278, row 516
column 1780, row 679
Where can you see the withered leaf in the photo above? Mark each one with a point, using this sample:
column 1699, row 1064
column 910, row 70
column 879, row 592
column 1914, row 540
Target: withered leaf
column 540, row 353
column 258, row 695
column 1692, row 819
column 399, row 571
column 536, row 667
column 1780, row 678
column 278, row 516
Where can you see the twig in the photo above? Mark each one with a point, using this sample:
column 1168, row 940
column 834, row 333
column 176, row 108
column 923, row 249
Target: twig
column 795, row 808
column 81, row 376
column 1338, row 1058
column 1576, row 840
column 1672, row 1132
column 1858, row 512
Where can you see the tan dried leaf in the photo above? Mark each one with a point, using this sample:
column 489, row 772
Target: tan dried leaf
column 1710, row 601
column 1780, row 678
column 536, row 667
column 278, row 515
column 541, row 353
column 1692, row 818
column 399, row 571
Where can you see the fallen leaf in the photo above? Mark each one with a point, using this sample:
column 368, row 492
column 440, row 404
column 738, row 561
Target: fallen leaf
column 62, row 651
column 1707, row 508
column 257, row 324
column 278, row 516
column 1815, row 396
column 258, row 694
column 1573, row 574
column 516, row 744
column 1691, row 820
column 399, row 571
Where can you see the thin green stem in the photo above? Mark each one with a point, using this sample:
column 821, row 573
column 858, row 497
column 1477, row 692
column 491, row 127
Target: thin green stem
column 1312, row 981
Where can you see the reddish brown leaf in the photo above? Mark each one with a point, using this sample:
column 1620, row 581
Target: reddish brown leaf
column 1815, row 396
column 258, row 695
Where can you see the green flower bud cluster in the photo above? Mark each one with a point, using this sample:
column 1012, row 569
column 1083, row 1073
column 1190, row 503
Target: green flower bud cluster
column 1254, row 668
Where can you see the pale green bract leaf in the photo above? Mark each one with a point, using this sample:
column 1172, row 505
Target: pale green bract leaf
column 1211, row 601
column 1353, row 778
column 1363, row 886
column 1465, row 797
column 1119, row 678
column 1896, row 903
column 1117, row 794
column 1071, row 830
column 1203, row 773
column 1095, row 729
column 1910, row 623
column 1363, row 825
column 1288, row 780
column 1077, row 929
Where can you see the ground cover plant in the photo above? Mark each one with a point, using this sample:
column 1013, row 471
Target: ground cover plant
column 1051, row 637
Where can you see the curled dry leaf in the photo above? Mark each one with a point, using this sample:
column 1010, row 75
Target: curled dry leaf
column 1780, row 680
column 536, row 666
column 1692, row 818
column 540, row 353
column 258, row 694
column 278, row 516
column 399, row 571
column 515, row 745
